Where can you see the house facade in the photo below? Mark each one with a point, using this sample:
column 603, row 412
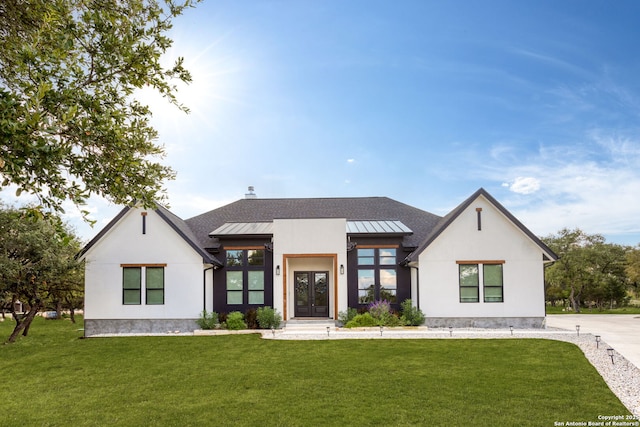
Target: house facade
column 150, row 271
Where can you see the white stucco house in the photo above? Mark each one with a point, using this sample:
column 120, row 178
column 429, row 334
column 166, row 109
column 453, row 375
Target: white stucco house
column 150, row 271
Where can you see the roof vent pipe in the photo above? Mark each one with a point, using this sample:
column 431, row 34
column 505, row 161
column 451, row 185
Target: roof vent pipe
column 250, row 194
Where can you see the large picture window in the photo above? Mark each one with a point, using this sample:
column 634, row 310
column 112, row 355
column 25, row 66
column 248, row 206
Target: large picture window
column 245, row 276
column 489, row 273
column 132, row 279
column 377, row 275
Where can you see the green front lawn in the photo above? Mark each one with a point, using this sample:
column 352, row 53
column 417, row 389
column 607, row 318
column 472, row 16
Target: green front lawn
column 621, row 310
column 54, row 378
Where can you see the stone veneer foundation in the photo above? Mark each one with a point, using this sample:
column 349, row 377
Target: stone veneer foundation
column 137, row 326
column 486, row 322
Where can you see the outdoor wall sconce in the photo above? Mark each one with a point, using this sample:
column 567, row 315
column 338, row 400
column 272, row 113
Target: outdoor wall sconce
column 578, row 329
column 450, row 331
column 341, row 268
column 610, row 352
column 597, row 341
column 277, row 270
column 511, row 328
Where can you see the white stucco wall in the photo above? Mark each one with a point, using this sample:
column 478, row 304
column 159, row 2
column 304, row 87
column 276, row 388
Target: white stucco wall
column 309, row 237
column 125, row 244
column 499, row 239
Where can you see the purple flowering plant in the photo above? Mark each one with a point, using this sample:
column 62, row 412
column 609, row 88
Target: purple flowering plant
column 380, row 309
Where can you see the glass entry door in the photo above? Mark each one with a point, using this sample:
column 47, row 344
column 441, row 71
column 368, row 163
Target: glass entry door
column 311, row 293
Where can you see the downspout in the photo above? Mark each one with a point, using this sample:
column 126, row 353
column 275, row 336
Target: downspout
column 407, row 263
column 417, row 285
column 204, row 287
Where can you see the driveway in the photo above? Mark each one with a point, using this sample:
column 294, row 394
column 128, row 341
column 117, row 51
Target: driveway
column 620, row 331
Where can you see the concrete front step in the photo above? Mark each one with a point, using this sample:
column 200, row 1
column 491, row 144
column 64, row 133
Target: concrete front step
column 309, row 324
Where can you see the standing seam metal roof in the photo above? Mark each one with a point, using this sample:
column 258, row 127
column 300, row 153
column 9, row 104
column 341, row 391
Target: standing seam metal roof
column 353, row 227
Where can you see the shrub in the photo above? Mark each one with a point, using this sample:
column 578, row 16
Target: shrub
column 362, row 320
column 345, row 317
column 268, row 317
column 207, row 320
column 235, row 321
column 250, row 318
column 381, row 311
column 411, row 315
column 392, row 320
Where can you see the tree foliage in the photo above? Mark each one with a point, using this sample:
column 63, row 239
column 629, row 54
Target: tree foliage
column 37, row 264
column 589, row 270
column 70, row 125
column 633, row 269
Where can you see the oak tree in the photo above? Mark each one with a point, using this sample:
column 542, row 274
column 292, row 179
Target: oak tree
column 37, row 263
column 588, row 270
column 70, row 124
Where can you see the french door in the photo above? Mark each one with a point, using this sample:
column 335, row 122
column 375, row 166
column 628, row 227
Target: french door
column 311, row 293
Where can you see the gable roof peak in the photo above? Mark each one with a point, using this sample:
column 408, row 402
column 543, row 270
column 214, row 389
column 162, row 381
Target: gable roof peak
column 172, row 220
column 455, row 213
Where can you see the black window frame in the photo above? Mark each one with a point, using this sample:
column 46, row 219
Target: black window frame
column 142, row 276
column 377, row 266
column 127, row 290
column 462, row 286
column 160, row 290
column 245, row 266
column 481, row 278
column 485, row 286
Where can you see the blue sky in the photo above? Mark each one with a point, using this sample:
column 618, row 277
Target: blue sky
column 421, row 101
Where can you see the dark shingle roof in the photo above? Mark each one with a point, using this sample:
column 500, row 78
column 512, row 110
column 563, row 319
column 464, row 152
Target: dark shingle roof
column 186, row 233
column 426, row 226
column 359, row 208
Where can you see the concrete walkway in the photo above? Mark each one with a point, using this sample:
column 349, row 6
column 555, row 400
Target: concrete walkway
column 620, row 331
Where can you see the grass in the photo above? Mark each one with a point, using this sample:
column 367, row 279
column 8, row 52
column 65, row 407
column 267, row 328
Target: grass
column 620, row 310
column 53, row 378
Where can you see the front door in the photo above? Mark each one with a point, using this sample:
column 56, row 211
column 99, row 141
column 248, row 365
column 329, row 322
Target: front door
column 311, row 294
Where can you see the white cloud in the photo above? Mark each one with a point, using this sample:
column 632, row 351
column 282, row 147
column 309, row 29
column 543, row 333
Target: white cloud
column 523, row 185
column 593, row 189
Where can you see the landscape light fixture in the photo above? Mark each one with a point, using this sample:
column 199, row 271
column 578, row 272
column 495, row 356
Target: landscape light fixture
column 450, row 331
column 597, row 341
column 610, row 351
column 277, row 270
column 273, row 331
column 328, row 328
column 511, row 328
column 578, row 329
column 381, row 328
